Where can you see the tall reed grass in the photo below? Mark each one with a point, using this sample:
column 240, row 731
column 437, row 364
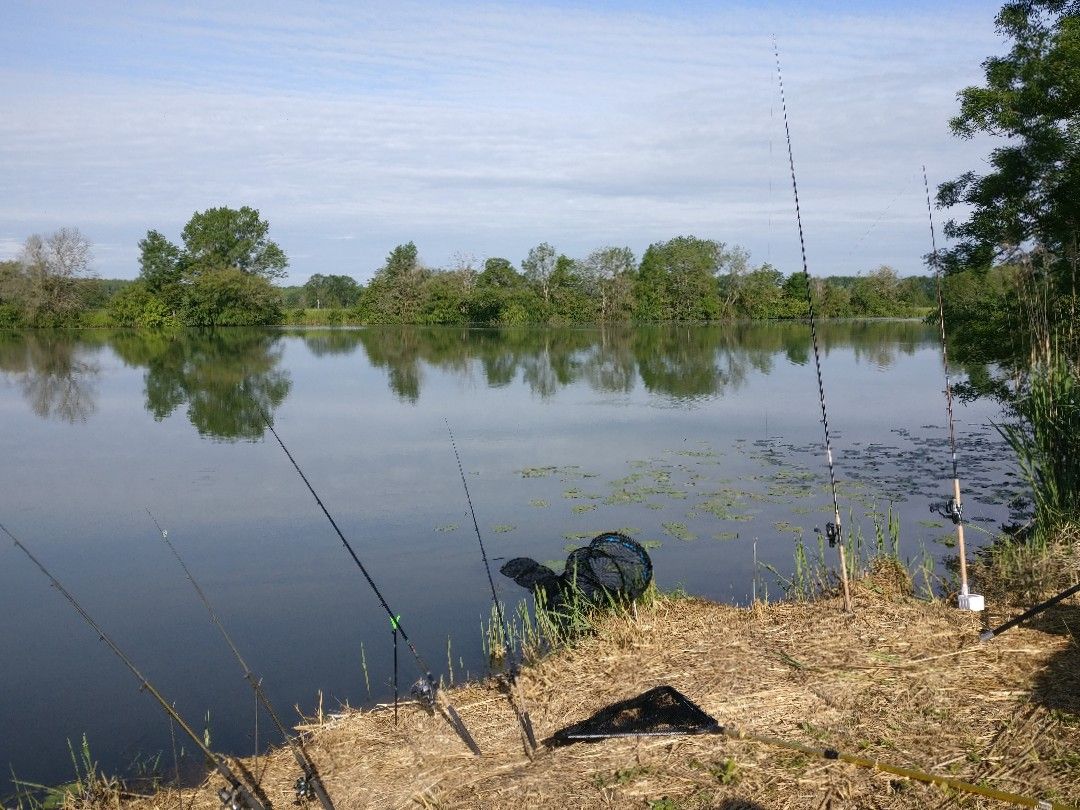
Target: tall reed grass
column 1046, row 440
column 1046, row 402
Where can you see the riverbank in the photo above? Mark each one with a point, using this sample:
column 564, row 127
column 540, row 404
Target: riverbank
column 900, row 680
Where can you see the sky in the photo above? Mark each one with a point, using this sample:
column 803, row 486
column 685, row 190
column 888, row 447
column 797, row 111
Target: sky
column 482, row 129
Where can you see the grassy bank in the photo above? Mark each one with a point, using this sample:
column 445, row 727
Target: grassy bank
column 901, row 680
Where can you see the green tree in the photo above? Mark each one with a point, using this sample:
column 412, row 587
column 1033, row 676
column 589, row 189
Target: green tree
column 331, row 291
column 161, row 269
column 136, row 306
column 395, row 294
column 232, row 297
column 760, row 294
column 227, row 238
column 10, row 285
column 159, row 262
column 538, row 268
column 831, row 300
column 498, row 273
column 573, row 298
column 794, row 291
column 1017, row 252
column 445, row 299
column 876, row 294
column 610, row 271
column 652, row 301
column 1027, row 207
column 677, row 279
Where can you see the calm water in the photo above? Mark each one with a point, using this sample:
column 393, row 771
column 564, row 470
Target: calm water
column 703, row 442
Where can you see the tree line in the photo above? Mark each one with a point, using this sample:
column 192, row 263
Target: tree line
column 222, row 271
column 683, row 279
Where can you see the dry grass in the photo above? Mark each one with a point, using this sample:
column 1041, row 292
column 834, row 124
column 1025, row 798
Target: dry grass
column 1022, row 572
column 901, row 680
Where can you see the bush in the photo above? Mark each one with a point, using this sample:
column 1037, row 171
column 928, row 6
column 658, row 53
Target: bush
column 232, row 298
column 10, row 316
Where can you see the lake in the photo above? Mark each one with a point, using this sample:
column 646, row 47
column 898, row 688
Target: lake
column 703, row 442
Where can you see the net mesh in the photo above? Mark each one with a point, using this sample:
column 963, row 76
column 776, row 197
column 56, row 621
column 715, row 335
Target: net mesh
column 663, row 710
column 613, row 565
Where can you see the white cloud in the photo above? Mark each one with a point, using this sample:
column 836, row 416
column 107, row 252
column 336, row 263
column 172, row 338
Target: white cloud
column 490, row 129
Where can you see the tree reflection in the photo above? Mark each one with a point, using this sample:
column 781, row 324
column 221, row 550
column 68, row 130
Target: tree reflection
column 683, row 362
column 55, row 371
column 224, row 377
column 329, row 341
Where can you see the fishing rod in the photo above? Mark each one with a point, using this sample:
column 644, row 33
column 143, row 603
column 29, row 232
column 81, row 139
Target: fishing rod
column 833, row 531
column 237, row 796
column 897, row 770
column 309, row 785
column 986, row 635
column 427, row 689
column 517, row 700
column 954, row 507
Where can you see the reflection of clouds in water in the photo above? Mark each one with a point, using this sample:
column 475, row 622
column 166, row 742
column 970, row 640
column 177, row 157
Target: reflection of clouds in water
column 57, row 375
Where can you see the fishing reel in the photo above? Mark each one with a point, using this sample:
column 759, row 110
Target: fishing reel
column 232, row 799
column 954, row 511
column 832, row 533
column 424, row 691
column 305, row 790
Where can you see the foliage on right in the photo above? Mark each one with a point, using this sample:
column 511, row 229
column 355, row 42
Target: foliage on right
column 1011, row 277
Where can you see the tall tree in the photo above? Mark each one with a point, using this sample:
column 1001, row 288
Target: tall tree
column 538, row 267
column 610, row 270
column 677, row 279
column 396, row 290
column 1027, row 206
column 159, row 262
column 220, row 277
column 51, row 269
column 161, row 269
column 498, row 272
column 228, row 238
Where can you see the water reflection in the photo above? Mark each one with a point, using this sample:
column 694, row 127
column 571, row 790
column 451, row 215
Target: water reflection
column 223, row 377
column 57, row 374
column 682, row 362
column 219, row 376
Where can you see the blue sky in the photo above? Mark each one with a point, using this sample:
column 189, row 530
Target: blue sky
column 482, row 129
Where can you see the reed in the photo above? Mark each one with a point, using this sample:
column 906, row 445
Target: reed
column 90, row 787
column 812, row 577
column 547, row 628
column 1046, row 441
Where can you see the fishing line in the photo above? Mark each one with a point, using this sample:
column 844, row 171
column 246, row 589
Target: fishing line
column 902, row 190
column 309, row 785
column 954, row 508
column 176, row 762
column 520, row 711
column 238, row 796
column 833, row 530
column 430, row 692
